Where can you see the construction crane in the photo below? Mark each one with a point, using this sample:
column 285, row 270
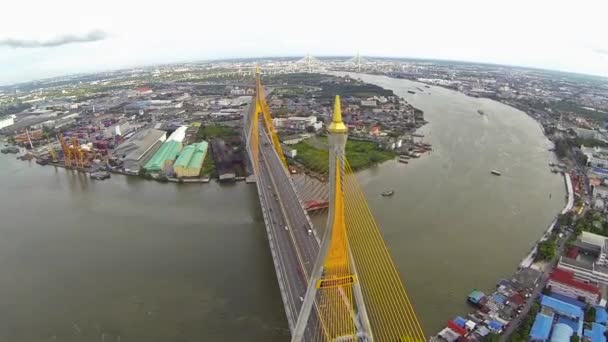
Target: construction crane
column 67, row 152
column 53, row 154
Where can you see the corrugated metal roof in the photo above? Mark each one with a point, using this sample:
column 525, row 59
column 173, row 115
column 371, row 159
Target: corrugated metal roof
column 167, row 152
column 561, row 333
column 541, row 327
column 561, row 307
column 192, row 155
column 596, row 333
column 179, row 134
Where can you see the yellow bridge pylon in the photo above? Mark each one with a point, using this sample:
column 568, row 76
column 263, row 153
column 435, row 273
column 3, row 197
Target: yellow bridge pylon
column 354, row 290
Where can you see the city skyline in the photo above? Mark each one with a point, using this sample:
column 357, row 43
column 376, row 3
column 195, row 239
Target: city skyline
column 67, row 37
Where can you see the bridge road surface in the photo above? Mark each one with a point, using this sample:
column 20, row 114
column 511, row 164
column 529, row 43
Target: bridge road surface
column 283, row 209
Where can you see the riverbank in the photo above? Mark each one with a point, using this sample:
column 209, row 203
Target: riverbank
column 513, row 297
column 528, row 261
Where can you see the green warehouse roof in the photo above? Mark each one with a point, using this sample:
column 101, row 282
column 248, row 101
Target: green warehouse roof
column 168, row 151
column 192, row 156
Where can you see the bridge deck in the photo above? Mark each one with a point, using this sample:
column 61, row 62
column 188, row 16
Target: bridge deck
column 294, row 250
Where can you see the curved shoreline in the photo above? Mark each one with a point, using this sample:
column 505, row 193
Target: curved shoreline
column 529, row 258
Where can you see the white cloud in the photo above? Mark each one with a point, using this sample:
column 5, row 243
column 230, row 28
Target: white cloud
column 540, row 33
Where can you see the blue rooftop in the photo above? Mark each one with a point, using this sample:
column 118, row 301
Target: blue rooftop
column 495, row 325
column 569, row 300
column 601, row 316
column 596, row 333
column 541, row 327
column 569, row 322
column 562, row 308
column 498, row 298
column 600, row 171
column 460, row 321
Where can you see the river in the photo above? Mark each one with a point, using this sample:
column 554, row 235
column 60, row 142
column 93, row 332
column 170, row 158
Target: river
column 133, row 260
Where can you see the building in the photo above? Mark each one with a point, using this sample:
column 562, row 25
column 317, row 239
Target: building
column 288, row 151
column 564, row 283
column 7, row 121
column 162, row 160
column 596, row 156
column 541, row 329
column 179, row 134
column 293, row 139
column 119, row 129
column 591, row 266
column 587, row 271
column 190, row 160
column 298, row 122
column 557, row 319
column 600, row 191
column 596, row 333
column 561, row 333
column 139, row 148
column 368, row 103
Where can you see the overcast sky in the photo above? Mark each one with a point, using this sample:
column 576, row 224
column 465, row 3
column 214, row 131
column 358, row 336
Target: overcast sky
column 50, row 38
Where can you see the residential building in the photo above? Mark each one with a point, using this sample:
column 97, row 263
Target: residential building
column 600, row 191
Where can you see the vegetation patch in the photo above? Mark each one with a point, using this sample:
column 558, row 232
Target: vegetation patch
column 360, row 154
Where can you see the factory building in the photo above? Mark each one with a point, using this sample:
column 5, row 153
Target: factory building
column 190, row 161
column 137, row 150
column 162, row 160
column 120, row 129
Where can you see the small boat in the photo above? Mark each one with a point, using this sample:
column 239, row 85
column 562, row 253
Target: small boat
column 402, row 160
column 411, row 92
column 495, row 173
column 480, row 112
column 10, row 149
column 388, row 193
column 100, row 175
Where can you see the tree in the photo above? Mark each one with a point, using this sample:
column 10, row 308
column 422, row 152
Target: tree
column 590, row 314
column 561, row 148
column 492, row 338
column 546, row 249
column 565, row 219
column 374, row 157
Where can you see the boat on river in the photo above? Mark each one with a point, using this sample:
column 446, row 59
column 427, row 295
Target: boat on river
column 495, row 173
column 388, row 193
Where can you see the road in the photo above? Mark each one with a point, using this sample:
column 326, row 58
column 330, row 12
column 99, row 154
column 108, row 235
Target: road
column 294, row 249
